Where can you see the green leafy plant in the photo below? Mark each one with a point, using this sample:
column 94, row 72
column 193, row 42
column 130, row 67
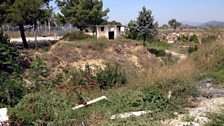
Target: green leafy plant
column 183, row 38
column 10, row 60
column 192, row 49
column 194, row 38
column 39, row 74
column 12, row 89
column 41, row 108
column 111, row 76
column 11, row 84
column 76, row 36
column 216, row 119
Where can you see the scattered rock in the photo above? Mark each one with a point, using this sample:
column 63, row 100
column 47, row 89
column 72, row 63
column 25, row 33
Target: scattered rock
column 208, row 89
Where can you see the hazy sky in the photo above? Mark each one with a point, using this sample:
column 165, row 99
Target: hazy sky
column 163, row 10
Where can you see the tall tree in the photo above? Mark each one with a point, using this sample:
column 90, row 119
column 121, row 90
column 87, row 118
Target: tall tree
column 174, row 23
column 24, row 12
column 132, row 31
column 82, row 13
column 147, row 27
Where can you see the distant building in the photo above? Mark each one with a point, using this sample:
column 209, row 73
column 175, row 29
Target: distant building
column 109, row 31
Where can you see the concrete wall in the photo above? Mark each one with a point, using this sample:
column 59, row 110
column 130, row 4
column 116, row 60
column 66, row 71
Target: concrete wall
column 108, row 29
column 102, row 34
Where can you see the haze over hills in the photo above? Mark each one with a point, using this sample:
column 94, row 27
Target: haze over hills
column 209, row 23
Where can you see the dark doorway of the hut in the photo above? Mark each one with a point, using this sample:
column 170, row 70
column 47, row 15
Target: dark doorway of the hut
column 111, row 35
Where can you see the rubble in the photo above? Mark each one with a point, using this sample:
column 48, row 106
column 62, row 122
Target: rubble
column 129, row 114
column 3, row 116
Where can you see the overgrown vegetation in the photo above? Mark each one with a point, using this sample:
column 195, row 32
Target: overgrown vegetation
column 11, row 84
column 217, row 119
column 188, row 38
column 77, row 35
column 106, row 78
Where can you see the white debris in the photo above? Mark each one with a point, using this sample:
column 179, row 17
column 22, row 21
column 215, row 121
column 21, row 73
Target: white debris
column 170, row 41
column 91, row 102
column 169, row 94
column 128, row 114
column 3, row 115
column 198, row 113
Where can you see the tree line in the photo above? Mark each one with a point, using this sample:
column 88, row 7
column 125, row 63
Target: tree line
column 81, row 13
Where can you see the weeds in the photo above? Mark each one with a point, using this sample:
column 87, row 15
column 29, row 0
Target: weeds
column 76, row 36
column 216, row 119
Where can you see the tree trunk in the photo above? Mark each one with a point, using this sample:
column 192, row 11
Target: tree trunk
column 144, row 43
column 49, row 26
column 23, row 36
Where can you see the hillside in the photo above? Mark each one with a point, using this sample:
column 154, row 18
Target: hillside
column 213, row 23
column 132, row 77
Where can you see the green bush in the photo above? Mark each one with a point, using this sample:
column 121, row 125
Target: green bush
column 39, row 74
column 42, row 108
column 10, row 61
column 76, row 36
column 11, row 89
column 81, row 76
column 194, row 38
column 111, row 76
column 192, row 49
column 152, row 99
column 179, row 88
column 11, row 84
column 183, row 38
column 157, row 52
column 216, row 119
column 157, row 44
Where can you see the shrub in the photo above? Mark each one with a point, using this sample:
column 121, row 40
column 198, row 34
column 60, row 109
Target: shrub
column 210, row 57
column 41, row 108
column 183, row 38
column 10, row 61
column 216, row 119
column 11, row 84
column 157, row 52
column 39, row 74
column 179, row 88
column 81, row 76
column 11, row 89
column 194, row 39
column 192, row 49
column 152, row 99
column 111, row 76
column 76, row 36
column 132, row 31
column 209, row 38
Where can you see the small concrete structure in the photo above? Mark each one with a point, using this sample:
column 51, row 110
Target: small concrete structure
column 109, row 31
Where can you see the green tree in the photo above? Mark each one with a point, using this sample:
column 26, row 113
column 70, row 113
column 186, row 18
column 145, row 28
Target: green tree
column 147, row 27
column 24, row 12
column 11, row 84
column 9, row 57
column 132, row 31
column 174, row 23
column 82, row 13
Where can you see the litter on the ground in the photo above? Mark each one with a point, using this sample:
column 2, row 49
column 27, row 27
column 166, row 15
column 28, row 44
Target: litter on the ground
column 3, row 116
column 129, row 114
column 90, row 102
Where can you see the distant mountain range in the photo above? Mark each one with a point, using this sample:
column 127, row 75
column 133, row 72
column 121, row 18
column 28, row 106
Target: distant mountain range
column 209, row 23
